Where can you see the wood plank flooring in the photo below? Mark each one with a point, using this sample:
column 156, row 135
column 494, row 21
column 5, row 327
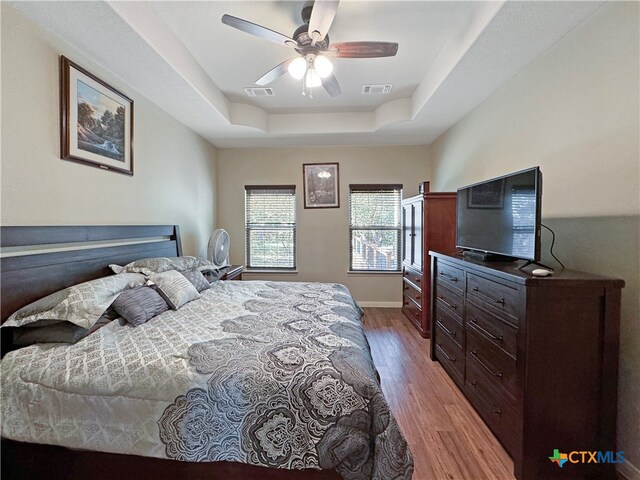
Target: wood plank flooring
column 448, row 439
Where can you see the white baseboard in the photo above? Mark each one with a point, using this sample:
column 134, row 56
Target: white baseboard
column 629, row 471
column 380, row 304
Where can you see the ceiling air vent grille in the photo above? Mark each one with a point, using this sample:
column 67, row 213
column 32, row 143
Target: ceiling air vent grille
column 259, row 92
column 377, row 89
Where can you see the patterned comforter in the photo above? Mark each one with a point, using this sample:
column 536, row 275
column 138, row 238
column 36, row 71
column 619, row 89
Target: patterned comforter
column 276, row 374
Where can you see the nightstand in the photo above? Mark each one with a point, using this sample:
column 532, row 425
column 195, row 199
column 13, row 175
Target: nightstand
column 232, row 272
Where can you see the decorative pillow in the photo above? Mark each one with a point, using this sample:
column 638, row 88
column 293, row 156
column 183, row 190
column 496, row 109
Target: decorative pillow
column 174, row 288
column 58, row 332
column 149, row 266
column 81, row 304
column 197, row 279
column 139, row 305
column 116, row 268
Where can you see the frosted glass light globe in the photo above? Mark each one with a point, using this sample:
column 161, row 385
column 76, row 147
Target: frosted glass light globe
column 323, row 66
column 313, row 79
column 297, row 68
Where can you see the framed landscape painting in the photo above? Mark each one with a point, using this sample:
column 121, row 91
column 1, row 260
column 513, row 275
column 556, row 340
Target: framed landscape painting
column 321, row 185
column 96, row 121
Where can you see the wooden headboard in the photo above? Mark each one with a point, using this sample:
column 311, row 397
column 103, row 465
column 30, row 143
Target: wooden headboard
column 38, row 261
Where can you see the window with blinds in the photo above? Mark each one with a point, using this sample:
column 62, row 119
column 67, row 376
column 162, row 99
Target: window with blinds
column 270, row 226
column 523, row 211
column 375, row 227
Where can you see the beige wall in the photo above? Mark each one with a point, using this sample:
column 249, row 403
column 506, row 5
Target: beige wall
column 575, row 112
column 322, row 234
column 174, row 169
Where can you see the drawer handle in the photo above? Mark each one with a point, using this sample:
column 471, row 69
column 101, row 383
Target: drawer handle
column 455, row 307
column 451, row 359
column 453, row 334
column 497, row 411
column 475, row 354
column 451, row 279
column 473, row 383
column 494, row 300
column 486, row 332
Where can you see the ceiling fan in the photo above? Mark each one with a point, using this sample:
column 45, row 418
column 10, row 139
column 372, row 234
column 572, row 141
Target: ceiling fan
column 311, row 42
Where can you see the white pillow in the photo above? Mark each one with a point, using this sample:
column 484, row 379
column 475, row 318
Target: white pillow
column 81, row 304
column 174, row 288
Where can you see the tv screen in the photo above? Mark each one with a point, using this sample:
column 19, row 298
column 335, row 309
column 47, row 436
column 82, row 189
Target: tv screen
column 502, row 215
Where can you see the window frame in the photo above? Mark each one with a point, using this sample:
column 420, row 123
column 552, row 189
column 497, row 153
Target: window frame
column 373, row 188
column 269, row 226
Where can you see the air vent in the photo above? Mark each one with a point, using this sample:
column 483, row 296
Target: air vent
column 377, row 89
column 259, row 92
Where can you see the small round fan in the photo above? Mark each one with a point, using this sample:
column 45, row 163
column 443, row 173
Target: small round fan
column 218, row 251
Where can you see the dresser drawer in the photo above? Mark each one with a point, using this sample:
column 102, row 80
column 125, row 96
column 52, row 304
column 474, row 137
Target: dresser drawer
column 500, row 368
column 497, row 298
column 494, row 408
column 410, row 291
column 451, row 276
column 501, row 334
column 445, row 298
column 413, row 276
column 450, row 325
column 411, row 310
column 449, row 354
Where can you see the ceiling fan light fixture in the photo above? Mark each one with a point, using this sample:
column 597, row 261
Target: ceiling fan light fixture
column 312, row 79
column 323, row 66
column 298, row 68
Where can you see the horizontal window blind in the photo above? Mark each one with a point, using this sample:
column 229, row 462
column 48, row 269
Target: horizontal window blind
column 270, row 226
column 375, row 227
column 523, row 211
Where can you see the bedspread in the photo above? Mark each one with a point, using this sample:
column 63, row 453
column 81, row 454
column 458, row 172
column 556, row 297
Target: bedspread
column 276, row 374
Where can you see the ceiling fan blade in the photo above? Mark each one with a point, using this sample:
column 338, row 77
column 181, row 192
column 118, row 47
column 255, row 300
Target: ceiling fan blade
column 331, row 85
column 362, row 49
column 274, row 73
column 258, row 30
column 322, row 15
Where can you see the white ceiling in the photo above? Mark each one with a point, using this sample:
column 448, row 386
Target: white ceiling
column 451, row 56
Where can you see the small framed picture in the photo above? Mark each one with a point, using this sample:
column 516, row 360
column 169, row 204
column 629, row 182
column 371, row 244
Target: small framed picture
column 321, row 185
column 96, row 121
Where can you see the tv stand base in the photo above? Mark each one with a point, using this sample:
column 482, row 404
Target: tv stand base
column 486, row 257
column 531, row 262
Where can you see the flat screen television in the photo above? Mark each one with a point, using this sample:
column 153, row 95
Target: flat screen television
column 501, row 217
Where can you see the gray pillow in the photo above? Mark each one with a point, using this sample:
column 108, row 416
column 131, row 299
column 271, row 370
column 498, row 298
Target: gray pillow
column 139, row 305
column 197, row 279
column 149, row 266
column 174, row 288
column 81, row 304
column 56, row 332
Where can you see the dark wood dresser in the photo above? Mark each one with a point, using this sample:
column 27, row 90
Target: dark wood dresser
column 429, row 223
column 536, row 357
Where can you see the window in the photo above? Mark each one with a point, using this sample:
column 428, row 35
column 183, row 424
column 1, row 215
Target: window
column 270, row 222
column 375, row 227
column 523, row 211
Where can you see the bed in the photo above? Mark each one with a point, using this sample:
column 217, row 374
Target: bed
column 252, row 379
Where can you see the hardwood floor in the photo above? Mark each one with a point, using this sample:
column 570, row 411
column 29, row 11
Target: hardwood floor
column 446, row 436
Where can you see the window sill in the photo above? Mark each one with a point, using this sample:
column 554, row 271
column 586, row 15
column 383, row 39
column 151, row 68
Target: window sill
column 374, row 272
column 270, row 272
